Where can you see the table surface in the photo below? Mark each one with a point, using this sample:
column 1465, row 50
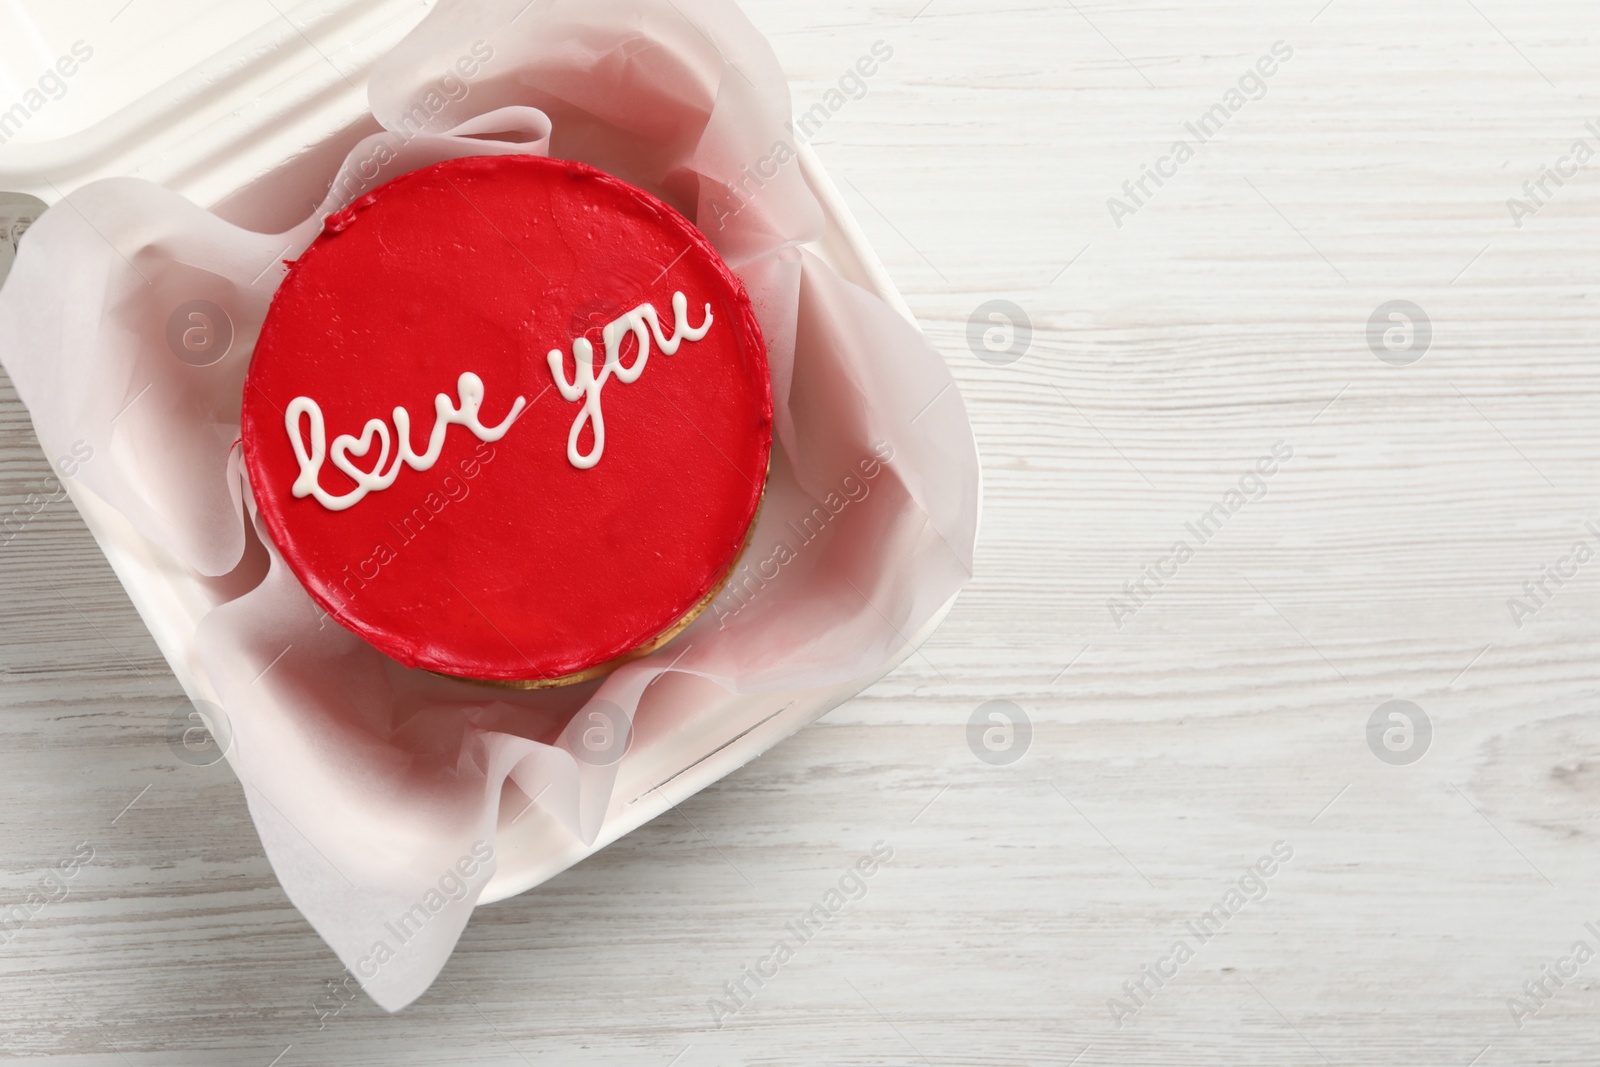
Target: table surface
column 1179, row 732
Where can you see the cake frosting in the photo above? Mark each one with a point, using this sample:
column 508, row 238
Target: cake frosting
column 509, row 418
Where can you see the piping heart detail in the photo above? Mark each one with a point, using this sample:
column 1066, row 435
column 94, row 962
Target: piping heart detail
column 345, row 446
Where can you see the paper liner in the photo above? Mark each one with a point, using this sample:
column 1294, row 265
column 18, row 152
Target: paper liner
column 376, row 790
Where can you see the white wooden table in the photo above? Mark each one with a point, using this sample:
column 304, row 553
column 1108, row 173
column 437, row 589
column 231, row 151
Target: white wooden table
column 1227, row 313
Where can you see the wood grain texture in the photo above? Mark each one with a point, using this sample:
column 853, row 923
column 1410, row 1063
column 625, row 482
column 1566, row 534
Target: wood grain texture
column 1228, row 313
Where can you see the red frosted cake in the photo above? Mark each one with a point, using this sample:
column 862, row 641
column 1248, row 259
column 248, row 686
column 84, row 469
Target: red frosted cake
column 509, row 419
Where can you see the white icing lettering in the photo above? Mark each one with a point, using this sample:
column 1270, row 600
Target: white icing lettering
column 642, row 322
column 308, row 432
column 311, row 451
